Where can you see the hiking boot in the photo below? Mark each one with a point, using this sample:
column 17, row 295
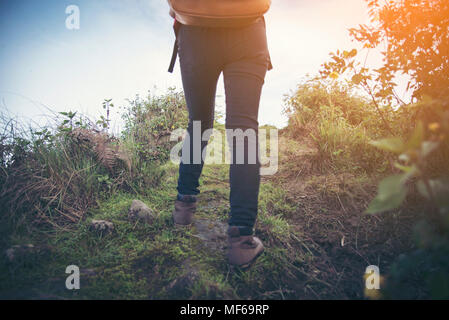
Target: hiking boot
column 185, row 208
column 243, row 249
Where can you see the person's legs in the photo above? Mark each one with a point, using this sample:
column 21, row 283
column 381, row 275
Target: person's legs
column 244, row 74
column 243, row 56
column 200, row 69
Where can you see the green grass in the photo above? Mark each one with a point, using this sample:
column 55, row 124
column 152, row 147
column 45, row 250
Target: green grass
column 139, row 261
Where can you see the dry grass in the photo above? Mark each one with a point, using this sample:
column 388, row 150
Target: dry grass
column 330, row 223
column 58, row 182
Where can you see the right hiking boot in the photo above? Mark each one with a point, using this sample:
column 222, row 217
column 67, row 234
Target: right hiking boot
column 243, row 250
column 185, row 208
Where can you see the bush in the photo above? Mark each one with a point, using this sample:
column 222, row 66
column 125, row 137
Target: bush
column 149, row 123
column 340, row 124
column 57, row 174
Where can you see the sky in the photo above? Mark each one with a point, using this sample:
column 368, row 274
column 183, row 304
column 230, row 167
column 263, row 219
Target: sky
column 123, row 48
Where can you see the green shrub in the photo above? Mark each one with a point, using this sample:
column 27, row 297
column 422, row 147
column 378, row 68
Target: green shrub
column 150, row 122
column 57, row 174
column 340, row 123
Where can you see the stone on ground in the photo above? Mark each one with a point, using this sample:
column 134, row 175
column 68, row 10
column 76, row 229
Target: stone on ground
column 213, row 233
column 140, row 211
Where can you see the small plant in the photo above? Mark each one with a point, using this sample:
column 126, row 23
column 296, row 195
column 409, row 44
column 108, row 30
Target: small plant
column 67, row 124
column 412, row 159
column 104, row 122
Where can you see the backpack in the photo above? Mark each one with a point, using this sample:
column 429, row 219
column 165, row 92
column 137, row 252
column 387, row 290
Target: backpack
column 218, row 13
column 215, row 13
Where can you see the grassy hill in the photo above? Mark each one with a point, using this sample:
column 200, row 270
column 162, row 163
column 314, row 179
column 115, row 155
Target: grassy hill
column 318, row 240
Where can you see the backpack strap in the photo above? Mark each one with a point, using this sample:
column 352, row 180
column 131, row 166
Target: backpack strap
column 176, row 28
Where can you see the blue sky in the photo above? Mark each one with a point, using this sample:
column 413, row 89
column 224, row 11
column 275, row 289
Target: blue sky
column 123, row 48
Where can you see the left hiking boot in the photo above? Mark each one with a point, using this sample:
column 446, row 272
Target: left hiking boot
column 185, row 208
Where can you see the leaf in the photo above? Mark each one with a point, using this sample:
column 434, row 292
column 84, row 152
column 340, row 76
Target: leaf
column 357, row 78
column 417, row 137
column 395, row 145
column 390, row 195
column 334, row 75
column 427, row 147
column 440, row 190
column 338, row 152
column 422, row 189
column 353, row 53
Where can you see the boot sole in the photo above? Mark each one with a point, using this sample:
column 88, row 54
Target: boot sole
column 182, row 225
column 248, row 265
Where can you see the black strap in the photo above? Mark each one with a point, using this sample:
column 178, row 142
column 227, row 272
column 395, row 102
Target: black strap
column 174, row 56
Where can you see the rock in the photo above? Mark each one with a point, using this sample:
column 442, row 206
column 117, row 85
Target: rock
column 212, row 233
column 19, row 251
column 102, row 226
column 140, row 211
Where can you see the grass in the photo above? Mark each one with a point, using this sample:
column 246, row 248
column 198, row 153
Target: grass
column 303, row 216
column 141, row 261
